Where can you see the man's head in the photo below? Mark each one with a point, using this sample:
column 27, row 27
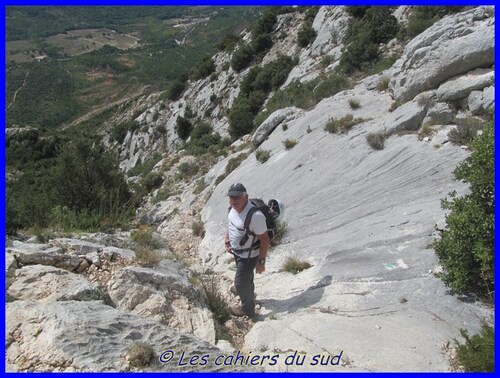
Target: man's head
column 238, row 196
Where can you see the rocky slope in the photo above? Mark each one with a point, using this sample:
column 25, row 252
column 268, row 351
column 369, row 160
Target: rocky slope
column 363, row 218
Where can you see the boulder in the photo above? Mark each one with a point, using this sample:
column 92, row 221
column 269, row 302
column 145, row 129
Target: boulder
column 110, row 253
column 453, row 46
column 439, row 114
column 78, row 246
column 276, row 118
column 163, row 293
column 480, row 101
column 44, row 254
column 48, row 284
column 93, row 337
column 462, row 86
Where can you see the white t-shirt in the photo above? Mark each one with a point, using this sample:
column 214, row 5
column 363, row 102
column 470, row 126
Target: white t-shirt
column 236, row 229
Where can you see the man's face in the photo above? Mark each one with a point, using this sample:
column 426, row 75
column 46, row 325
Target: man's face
column 238, row 203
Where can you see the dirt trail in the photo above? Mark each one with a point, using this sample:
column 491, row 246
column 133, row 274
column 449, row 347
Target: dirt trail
column 18, row 89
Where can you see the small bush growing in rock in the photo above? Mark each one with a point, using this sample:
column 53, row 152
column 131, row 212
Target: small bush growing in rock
column 148, row 257
column 198, row 228
column 425, row 131
column 232, row 164
column 139, row 354
column 217, row 304
column 143, row 237
column 186, row 170
column 424, row 100
column 281, row 231
column 478, row 352
column 342, row 125
column 465, row 131
column 262, row 155
column 466, row 247
column 354, row 103
column 294, row 265
column 383, row 83
column 290, row 143
column 376, row 140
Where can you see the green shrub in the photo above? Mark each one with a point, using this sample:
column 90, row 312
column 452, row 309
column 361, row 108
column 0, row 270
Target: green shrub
column 96, row 190
column 228, row 43
column 294, row 265
column 424, row 17
column 240, row 118
column 342, row 125
column 152, row 180
column 354, row 103
column 376, row 140
column 465, row 248
column 198, row 228
column 331, row 85
column 216, row 303
column 280, row 232
column 383, row 83
column 183, row 127
column 359, row 54
column 465, row 131
column 203, row 69
column 425, row 131
column 478, row 352
column 187, row 170
column 232, row 164
column 144, row 238
column 242, row 57
column 306, row 35
column 290, row 143
column 175, row 90
column 119, row 132
column 370, row 27
column 262, row 155
column 262, row 44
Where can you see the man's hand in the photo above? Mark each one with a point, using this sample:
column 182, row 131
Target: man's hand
column 228, row 246
column 260, row 268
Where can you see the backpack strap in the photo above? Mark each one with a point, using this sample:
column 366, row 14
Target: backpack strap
column 246, row 225
column 248, row 219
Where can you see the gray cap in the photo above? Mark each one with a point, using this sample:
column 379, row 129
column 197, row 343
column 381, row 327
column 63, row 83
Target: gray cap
column 236, row 190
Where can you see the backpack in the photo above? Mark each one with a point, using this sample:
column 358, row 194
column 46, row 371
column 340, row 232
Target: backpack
column 272, row 211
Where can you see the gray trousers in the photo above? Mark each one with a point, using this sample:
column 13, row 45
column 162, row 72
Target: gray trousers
column 243, row 282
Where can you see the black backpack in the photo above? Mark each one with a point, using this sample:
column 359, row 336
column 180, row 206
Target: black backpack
column 271, row 211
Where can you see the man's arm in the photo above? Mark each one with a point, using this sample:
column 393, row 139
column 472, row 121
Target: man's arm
column 227, row 244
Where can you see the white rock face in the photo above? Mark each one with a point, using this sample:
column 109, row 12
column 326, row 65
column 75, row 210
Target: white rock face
column 364, row 219
column 163, row 293
column 458, row 88
column 452, row 46
column 480, row 101
column 90, row 336
column 52, row 284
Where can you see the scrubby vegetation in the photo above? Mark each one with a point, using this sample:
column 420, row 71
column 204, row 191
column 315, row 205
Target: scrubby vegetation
column 478, row 352
column 305, row 95
column 253, row 92
column 369, row 27
column 77, row 186
column 295, row 265
column 465, row 248
column 376, row 140
column 307, row 34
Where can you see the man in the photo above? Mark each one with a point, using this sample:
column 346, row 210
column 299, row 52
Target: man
column 249, row 248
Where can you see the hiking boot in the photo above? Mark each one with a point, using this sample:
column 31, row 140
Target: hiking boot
column 232, row 289
column 237, row 311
